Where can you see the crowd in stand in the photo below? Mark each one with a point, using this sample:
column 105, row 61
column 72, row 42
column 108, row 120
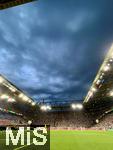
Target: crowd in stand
column 64, row 119
column 75, row 120
column 105, row 123
column 67, row 120
column 10, row 119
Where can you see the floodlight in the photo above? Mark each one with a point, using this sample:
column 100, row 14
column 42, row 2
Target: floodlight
column 73, row 106
column 11, row 100
column 98, row 82
column 111, row 93
column 29, row 100
column 79, row 106
column 29, row 122
column 25, row 98
column 93, row 89
column 33, row 103
column 97, row 121
column 43, row 107
column 111, row 60
column 48, row 107
column 106, row 68
column 4, row 96
column 1, row 79
column 21, row 95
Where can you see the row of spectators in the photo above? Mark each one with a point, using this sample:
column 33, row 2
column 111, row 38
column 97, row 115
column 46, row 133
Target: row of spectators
column 61, row 120
column 74, row 120
column 105, row 123
column 64, row 119
column 7, row 118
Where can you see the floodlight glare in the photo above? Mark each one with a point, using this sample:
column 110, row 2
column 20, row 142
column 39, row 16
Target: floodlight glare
column 4, row 96
column 73, row 106
column 11, row 100
column 93, row 89
column 48, row 107
column 111, row 93
column 33, row 103
column 1, row 80
column 25, row 98
column 21, row 95
column 30, row 101
column 79, row 106
column 97, row 121
column 29, row 122
column 106, row 68
column 111, row 60
column 43, row 107
column 98, row 82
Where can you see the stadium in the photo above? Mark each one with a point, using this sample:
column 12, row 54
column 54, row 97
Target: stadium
column 73, row 117
column 82, row 124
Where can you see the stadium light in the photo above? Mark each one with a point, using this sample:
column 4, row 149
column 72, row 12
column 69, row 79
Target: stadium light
column 25, row 98
column 76, row 106
column 13, row 89
column 73, row 106
column 29, row 122
column 4, row 96
column 33, row 103
column 101, row 77
column 111, row 93
column 48, row 107
column 106, row 68
column 111, row 60
column 11, row 100
column 79, row 106
column 97, row 121
column 98, row 82
column 1, row 80
column 93, row 89
column 30, row 101
column 21, row 95
column 45, row 107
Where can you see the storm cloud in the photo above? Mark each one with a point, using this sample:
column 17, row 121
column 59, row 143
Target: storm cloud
column 53, row 49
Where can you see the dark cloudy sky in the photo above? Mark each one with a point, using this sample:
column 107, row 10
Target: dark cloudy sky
column 52, row 49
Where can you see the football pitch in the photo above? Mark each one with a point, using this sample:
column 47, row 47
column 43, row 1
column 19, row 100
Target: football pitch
column 69, row 140
column 81, row 140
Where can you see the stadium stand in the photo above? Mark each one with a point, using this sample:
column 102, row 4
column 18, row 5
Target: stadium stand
column 100, row 96
column 7, row 118
column 106, row 123
column 64, row 119
column 97, row 105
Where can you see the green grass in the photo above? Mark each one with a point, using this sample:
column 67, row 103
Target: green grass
column 81, row 140
column 70, row 140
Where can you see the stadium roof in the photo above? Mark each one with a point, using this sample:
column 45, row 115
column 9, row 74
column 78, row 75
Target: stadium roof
column 10, row 3
column 13, row 100
column 100, row 96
